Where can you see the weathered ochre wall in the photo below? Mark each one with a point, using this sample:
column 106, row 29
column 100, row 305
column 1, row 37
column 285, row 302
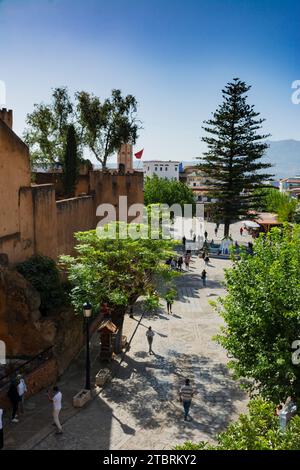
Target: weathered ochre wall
column 32, row 221
column 82, row 186
column 73, row 215
column 14, row 174
column 109, row 186
column 44, row 220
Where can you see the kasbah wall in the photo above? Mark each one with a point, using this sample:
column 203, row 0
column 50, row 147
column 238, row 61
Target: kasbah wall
column 32, row 218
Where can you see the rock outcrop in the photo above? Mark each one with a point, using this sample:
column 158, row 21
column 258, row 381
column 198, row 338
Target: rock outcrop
column 22, row 328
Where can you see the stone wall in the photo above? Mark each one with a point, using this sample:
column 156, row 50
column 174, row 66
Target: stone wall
column 73, row 215
column 42, row 377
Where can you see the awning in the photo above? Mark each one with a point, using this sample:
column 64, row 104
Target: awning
column 251, row 224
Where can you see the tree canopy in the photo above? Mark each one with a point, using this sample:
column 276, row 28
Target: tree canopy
column 259, row 430
column 162, row 191
column 71, row 162
column 232, row 162
column 47, row 127
column 262, row 315
column 282, row 204
column 105, row 126
column 101, row 126
column 116, row 271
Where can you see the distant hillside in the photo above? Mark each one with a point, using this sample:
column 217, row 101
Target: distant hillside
column 285, row 155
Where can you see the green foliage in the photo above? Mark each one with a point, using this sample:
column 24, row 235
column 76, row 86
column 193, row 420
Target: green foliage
column 151, row 303
column 232, row 163
column 170, row 295
column 105, row 126
column 47, row 129
column 43, row 274
column 115, row 271
column 161, row 191
column 259, row 430
column 282, row 204
column 101, row 128
column 262, row 314
column 71, row 163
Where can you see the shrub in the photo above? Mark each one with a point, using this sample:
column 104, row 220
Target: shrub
column 258, row 430
column 43, row 274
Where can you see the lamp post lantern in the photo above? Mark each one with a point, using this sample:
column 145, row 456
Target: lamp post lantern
column 87, row 312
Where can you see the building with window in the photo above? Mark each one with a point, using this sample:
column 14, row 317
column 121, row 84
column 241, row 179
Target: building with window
column 290, row 186
column 163, row 169
column 197, row 182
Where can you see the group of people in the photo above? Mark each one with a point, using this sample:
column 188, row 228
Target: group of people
column 177, row 263
column 16, row 394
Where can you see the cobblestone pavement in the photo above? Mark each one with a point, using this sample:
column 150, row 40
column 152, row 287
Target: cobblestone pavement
column 140, row 409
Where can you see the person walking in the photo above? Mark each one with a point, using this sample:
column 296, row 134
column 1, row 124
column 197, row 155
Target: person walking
column 187, row 260
column 186, row 394
column 169, row 306
column 150, row 335
column 184, row 240
column 1, row 429
column 241, row 231
column 56, row 399
column 206, row 260
column 22, row 389
column 14, row 397
column 205, row 235
column 203, row 277
column 216, row 231
column 180, row 263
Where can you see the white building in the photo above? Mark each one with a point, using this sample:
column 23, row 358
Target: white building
column 290, row 186
column 163, row 169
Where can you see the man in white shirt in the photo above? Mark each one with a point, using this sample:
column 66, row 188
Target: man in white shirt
column 150, row 335
column 56, row 400
column 1, row 428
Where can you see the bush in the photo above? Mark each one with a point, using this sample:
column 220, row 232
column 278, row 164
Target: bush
column 258, row 430
column 43, row 274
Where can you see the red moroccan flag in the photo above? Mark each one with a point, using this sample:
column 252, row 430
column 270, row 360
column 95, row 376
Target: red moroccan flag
column 139, row 154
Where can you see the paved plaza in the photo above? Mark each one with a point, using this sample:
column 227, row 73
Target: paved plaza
column 139, row 408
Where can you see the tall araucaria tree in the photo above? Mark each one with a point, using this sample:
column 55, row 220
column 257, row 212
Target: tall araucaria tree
column 232, row 163
column 71, row 162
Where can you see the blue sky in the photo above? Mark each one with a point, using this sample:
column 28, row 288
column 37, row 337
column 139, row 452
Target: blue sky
column 173, row 55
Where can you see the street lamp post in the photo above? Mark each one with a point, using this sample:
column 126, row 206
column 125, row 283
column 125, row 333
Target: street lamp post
column 87, row 312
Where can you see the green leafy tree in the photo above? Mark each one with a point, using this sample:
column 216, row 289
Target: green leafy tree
column 71, row 162
column 47, row 127
column 282, row 204
column 43, row 274
column 115, row 271
column 262, row 315
column 232, row 163
column 162, row 191
column 259, row 430
column 105, row 126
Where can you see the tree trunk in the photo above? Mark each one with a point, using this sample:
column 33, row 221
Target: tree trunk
column 117, row 317
column 226, row 228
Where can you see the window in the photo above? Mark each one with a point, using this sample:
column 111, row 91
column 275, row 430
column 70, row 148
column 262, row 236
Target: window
column 176, row 168
column 161, row 168
column 166, row 168
column 194, row 184
column 155, row 169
